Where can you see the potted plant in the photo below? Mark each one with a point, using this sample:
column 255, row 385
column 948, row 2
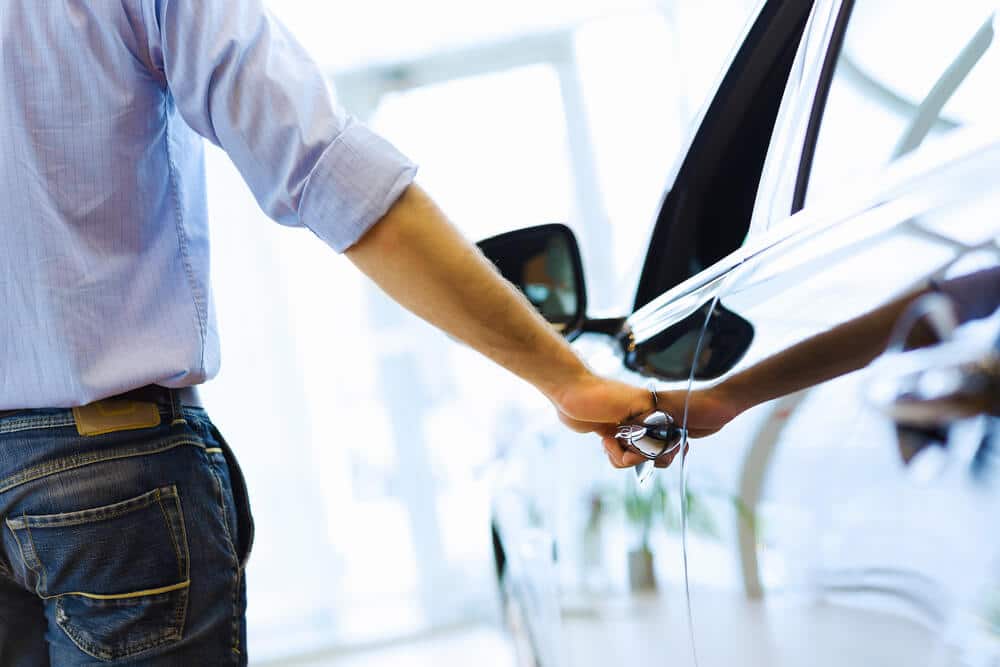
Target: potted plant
column 642, row 508
column 646, row 508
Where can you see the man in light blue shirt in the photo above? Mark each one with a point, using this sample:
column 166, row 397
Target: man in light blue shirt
column 106, row 104
column 127, row 525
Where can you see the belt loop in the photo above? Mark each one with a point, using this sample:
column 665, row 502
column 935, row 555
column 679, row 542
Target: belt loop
column 176, row 413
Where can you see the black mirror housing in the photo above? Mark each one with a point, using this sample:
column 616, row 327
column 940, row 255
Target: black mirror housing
column 544, row 263
column 670, row 354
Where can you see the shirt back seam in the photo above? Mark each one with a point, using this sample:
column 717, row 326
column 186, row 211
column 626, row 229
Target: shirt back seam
column 199, row 306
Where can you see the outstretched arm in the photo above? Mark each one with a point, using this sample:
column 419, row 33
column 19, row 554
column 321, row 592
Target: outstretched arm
column 419, row 259
column 840, row 350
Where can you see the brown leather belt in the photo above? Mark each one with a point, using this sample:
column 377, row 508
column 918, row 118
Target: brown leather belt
column 151, row 393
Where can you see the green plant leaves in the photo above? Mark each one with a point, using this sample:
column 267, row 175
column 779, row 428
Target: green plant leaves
column 643, row 508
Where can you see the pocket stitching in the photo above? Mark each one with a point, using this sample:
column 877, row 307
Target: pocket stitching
column 225, row 513
column 240, row 496
column 100, row 652
column 82, row 460
column 180, row 611
column 217, row 477
column 178, row 616
column 112, row 511
column 25, row 559
column 98, row 600
column 38, row 562
column 173, row 539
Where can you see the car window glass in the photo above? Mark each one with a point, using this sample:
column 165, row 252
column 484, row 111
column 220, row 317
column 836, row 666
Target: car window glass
column 908, row 74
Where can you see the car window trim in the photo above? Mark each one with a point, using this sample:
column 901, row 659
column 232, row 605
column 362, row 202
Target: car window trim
column 936, row 99
column 770, row 16
column 834, row 49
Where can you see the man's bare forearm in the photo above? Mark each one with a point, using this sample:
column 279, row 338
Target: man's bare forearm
column 843, row 349
column 418, row 258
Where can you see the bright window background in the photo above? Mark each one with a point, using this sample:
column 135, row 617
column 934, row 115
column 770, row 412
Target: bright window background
column 884, row 82
column 365, row 436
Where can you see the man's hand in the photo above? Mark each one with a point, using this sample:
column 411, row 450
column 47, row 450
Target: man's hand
column 597, row 405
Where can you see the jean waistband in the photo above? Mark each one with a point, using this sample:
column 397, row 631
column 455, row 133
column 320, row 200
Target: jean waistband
column 151, row 393
column 47, row 441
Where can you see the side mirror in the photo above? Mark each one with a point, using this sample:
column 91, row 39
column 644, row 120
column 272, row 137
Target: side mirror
column 544, row 263
column 669, row 355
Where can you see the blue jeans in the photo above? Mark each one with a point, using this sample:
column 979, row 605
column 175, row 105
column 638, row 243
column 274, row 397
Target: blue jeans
column 126, row 548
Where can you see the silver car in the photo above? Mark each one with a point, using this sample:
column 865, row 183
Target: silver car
column 849, row 154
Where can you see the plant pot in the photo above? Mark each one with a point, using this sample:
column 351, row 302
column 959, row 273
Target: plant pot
column 641, row 576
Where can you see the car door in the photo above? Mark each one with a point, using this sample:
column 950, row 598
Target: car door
column 881, row 175
column 548, row 484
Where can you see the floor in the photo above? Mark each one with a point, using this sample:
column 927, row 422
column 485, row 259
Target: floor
column 733, row 631
column 653, row 631
column 487, row 647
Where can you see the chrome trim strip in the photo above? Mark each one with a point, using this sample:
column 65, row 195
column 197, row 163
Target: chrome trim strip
column 965, row 162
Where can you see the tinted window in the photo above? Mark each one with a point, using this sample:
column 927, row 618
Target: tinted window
column 706, row 213
column 908, row 74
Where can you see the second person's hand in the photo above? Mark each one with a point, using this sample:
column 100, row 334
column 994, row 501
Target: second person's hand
column 598, row 405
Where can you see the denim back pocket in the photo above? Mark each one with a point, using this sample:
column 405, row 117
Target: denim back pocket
column 118, row 575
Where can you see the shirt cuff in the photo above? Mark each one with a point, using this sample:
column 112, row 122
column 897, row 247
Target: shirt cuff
column 353, row 185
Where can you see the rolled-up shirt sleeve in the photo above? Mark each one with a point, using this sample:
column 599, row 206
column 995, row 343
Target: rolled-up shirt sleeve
column 241, row 80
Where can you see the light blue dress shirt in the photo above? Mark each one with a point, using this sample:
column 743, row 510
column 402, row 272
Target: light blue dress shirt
column 104, row 257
